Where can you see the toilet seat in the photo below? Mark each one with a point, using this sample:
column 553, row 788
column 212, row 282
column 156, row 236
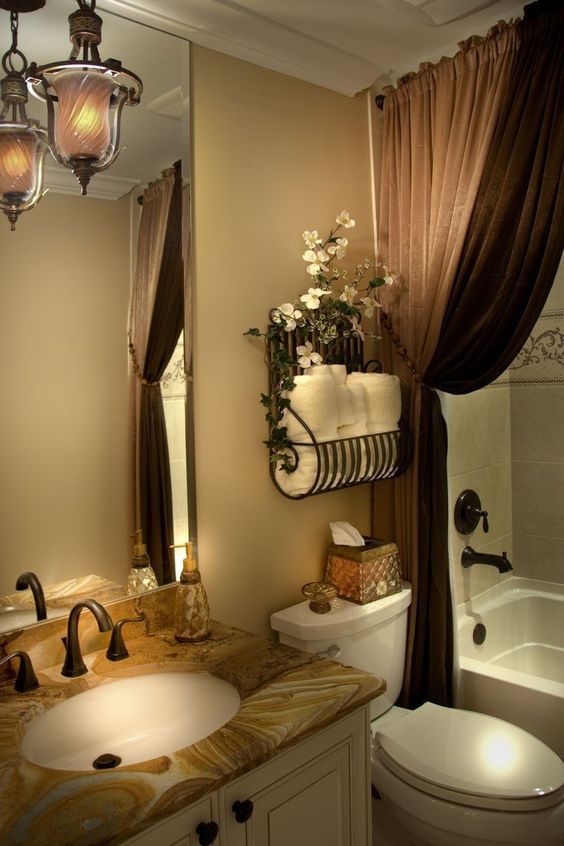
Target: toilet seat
column 471, row 759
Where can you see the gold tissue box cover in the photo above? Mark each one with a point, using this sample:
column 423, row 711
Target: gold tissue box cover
column 364, row 573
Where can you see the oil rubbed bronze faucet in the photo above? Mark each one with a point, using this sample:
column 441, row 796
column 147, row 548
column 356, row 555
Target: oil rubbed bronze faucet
column 74, row 665
column 26, row 678
column 30, row 580
column 470, row 556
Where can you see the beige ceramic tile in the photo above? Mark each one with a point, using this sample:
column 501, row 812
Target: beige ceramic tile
column 539, row 557
column 538, row 497
column 478, row 429
column 537, row 422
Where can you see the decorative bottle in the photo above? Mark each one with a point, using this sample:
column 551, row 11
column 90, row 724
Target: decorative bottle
column 141, row 576
column 191, row 610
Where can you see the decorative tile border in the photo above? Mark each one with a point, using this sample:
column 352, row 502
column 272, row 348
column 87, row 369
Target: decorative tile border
column 541, row 361
column 173, row 381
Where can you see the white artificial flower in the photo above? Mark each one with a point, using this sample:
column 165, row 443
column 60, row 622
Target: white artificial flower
column 312, row 238
column 338, row 248
column 317, row 259
column 312, row 298
column 344, row 219
column 369, row 305
column 389, row 278
column 348, row 295
column 306, row 355
column 290, row 315
column 356, row 327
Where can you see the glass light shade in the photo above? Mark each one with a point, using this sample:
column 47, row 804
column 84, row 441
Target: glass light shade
column 18, row 151
column 83, row 118
column 22, row 156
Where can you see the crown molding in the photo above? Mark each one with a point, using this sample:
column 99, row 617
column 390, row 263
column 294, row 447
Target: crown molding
column 103, row 186
column 232, row 29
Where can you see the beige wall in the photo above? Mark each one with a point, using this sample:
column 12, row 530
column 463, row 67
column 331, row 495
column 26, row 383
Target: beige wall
column 63, row 427
column 272, row 156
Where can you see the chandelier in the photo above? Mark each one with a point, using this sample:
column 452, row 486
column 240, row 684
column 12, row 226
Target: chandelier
column 84, row 98
column 23, row 143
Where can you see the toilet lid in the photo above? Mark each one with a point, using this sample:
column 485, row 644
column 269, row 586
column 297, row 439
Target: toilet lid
column 472, row 753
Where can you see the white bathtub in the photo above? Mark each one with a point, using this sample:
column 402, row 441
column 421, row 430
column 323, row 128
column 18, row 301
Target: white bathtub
column 517, row 673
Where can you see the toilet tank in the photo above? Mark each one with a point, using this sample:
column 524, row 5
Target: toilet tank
column 371, row 637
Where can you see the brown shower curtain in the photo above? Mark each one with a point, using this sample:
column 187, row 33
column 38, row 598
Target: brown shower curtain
column 443, row 130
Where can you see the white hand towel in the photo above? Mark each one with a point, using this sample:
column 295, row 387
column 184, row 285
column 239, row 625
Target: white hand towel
column 345, row 408
column 359, row 402
column 383, row 398
column 355, row 452
column 337, row 371
column 315, row 400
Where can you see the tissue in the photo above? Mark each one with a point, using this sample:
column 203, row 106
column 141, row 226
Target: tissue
column 345, row 535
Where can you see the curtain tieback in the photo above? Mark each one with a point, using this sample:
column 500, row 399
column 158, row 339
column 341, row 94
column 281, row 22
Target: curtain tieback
column 386, row 323
column 136, row 369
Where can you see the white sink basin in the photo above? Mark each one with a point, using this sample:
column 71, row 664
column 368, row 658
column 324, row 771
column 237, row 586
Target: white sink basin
column 14, row 616
column 134, row 719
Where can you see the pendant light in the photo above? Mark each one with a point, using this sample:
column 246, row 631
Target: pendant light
column 84, row 98
column 23, row 143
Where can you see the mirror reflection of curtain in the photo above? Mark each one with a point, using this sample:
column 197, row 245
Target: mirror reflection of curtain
column 156, row 321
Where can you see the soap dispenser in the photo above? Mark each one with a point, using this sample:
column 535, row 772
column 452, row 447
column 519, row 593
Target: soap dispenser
column 141, row 576
column 191, row 611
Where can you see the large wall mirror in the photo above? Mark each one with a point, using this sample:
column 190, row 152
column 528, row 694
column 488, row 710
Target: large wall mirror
column 65, row 459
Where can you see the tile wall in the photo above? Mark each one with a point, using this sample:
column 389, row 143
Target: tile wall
column 507, row 443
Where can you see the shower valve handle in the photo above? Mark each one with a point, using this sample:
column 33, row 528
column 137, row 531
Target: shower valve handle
column 484, row 514
column 468, row 512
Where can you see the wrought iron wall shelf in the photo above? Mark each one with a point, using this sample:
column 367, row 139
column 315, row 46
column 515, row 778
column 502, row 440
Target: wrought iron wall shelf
column 345, row 462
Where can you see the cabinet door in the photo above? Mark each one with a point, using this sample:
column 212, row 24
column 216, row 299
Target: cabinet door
column 180, row 828
column 316, row 794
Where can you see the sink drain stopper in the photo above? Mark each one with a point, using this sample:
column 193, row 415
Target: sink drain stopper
column 107, row 761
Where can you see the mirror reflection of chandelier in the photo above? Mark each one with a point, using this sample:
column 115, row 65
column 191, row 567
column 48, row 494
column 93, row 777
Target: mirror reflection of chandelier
column 84, row 98
column 23, row 143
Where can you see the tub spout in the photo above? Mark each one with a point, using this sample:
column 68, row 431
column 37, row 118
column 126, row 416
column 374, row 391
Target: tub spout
column 470, row 556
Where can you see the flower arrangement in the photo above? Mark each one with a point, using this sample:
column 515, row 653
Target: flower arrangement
column 332, row 309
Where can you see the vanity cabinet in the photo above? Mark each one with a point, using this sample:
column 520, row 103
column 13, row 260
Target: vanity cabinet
column 314, row 794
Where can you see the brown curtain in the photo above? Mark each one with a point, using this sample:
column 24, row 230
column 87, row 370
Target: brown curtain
column 509, row 247
column 156, row 323
column 514, row 242
column 438, row 128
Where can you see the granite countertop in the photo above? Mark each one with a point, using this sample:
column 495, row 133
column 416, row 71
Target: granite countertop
column 285, row 694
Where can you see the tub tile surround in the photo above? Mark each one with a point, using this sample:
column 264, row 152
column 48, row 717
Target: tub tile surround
column 479, row 457
column 285, row 695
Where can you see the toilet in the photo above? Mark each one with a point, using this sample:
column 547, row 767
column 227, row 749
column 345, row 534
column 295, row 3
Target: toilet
column 444, row 776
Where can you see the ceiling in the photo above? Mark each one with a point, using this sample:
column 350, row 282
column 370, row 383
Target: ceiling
column 344, row 45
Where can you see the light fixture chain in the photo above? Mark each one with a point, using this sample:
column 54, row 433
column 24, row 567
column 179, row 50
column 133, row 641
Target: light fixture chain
column 8, row 57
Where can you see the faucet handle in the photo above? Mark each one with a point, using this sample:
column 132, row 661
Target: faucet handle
column 468, row 511
column 117, row 649
column 26, row 679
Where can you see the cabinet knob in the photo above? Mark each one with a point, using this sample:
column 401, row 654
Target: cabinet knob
column 243, row 810
column 207, row 833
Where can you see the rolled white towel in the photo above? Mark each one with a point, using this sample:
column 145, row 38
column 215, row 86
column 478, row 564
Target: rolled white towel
column 359, row 402
column 383, row 398
column 345, row 407
column 301, row 480
column 315, row 400
column 337, row 371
